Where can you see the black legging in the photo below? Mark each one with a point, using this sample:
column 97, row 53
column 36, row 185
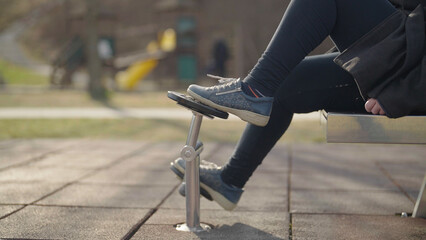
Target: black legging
column 304, row 84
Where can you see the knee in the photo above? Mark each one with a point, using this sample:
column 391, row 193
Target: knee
column 294, row 98
column 323, row 4
column 324, row 10
column 282, row 98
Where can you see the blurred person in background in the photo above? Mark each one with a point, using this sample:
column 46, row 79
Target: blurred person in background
column 220, row 55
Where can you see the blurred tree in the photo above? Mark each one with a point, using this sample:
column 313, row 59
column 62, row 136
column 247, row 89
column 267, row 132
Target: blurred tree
column 97, row 89
column 2, row 81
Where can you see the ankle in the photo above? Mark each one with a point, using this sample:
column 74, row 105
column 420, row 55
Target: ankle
column 229, row 182
column 253, row 88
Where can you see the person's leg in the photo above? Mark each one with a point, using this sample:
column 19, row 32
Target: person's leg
column 305, row 24
column 316, row 83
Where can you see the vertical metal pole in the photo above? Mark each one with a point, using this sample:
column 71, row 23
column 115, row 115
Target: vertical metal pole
column 194, row 130
column 192, row 177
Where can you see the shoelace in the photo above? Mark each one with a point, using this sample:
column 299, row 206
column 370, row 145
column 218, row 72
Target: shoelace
column 224, row 82
column 205, row 163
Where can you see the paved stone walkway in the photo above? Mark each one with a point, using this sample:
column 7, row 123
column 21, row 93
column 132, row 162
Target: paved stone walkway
column 101, row 189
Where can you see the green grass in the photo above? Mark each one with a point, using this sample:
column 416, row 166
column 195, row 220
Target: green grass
column 16, row 75
column 151, row 130
column 69, row 98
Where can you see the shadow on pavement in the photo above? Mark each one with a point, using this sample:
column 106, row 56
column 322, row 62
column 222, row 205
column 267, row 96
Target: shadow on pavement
column 236, row 231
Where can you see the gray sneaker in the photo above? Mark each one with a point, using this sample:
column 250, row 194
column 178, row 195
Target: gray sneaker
column 211, row 182
column 178, row 167
column 229, row 97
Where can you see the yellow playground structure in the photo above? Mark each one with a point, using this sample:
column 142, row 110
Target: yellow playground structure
column 143, row 63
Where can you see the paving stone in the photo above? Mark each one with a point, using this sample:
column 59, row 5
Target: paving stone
column 79, row 160
column 276, row 160
column 25, row 193
column 306, row 226
column 253, row 199
column 222, row 154
column 312, row 160
column 108, row 196
column 17, row 152
column 4, row 144
column 146, row 163
column 43, row 174
column 326, row 178
column 342, row 179
column 227, row 225
column 412, row 168
column 103, row 145
column 313, row 163
column 218, row 153
column 263, row 199
column 35, row 222
column 210, row 148
column 349, row 202
column 362, row 152
column 414, row 195
column 6, row 209
column 409, row 176
column 151, row 178
column 268, row 179
column 162, row 152
column 392, row 153
column 410, row 184
column 235, row 231
column 156, row 157
column 176, row 201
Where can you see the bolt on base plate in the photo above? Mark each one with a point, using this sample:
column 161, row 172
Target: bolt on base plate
column 184, row 228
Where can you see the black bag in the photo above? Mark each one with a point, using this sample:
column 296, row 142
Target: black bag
column 409, row 5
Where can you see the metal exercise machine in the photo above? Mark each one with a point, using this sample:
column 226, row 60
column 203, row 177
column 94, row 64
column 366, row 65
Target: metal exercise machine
column 191, row 154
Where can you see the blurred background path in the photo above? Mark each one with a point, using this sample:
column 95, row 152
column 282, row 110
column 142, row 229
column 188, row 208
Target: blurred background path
column 10, row 48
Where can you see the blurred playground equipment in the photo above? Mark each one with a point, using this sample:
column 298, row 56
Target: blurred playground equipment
column 141, row 64
column 129, row 70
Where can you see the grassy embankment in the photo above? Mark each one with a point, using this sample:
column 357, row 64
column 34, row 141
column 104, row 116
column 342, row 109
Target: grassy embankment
column 142, row 129
column 152, row 130
column 16, row 75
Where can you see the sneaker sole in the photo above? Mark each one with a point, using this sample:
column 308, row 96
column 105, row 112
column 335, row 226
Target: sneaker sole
column 251, row 117
column 211, row 194
column 219, row 198
column 180, row 173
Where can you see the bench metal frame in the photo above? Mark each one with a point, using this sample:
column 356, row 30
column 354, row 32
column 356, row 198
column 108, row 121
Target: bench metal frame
column 367, row 128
